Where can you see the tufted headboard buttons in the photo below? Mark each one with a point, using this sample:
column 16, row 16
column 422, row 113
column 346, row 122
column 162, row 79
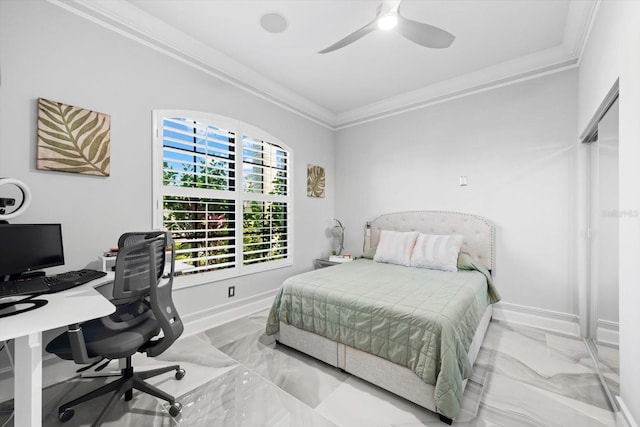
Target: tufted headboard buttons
column 478, row 232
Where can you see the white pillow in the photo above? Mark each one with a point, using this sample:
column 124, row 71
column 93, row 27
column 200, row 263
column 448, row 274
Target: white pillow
column 437, row 252
column 395, row 247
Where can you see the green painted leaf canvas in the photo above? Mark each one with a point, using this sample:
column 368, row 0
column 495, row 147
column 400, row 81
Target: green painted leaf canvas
column 315, row 181
column 73, row 139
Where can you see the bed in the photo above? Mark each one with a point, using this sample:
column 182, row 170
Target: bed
column 413, row 329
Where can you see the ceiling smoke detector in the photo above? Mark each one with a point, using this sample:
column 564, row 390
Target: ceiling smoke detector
column 273, row 23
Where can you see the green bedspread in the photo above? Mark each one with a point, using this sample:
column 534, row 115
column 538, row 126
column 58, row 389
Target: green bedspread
column 418, row 318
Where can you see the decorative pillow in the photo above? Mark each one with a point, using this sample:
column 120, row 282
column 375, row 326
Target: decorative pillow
column 437, row 252
column 395, row 247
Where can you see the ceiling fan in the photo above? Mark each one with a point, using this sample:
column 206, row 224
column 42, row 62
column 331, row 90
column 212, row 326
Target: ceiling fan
column 388, row 17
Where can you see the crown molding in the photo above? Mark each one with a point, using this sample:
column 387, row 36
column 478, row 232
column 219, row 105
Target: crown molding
column 567, row 55
column 579, row 25
column 129, row 21
column 523, row 68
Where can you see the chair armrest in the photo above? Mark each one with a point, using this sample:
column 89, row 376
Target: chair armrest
column 78, row 346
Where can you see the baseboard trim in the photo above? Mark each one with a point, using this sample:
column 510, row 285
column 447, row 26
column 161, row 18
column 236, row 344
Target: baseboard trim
column 608, row 333
column 214, row 316
column 554, row 321
column 624, row 417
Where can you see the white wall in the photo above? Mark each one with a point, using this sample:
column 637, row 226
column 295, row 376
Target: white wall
column 516, row 145
column 612, row 52
column 48, row 52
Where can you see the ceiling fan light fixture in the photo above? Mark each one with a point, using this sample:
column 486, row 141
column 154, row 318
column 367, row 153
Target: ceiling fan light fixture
column 388, row 17
column 387, row 21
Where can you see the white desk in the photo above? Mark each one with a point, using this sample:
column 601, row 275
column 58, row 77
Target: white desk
column 64, row 308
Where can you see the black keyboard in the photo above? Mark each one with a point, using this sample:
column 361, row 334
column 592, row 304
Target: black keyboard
column 29, row 286
column 48, row 284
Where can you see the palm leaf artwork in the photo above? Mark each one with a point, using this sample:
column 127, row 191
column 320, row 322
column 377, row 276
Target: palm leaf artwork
column 315, row 181
column 73, row 139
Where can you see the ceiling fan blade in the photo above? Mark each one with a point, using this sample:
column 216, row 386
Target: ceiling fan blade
column 424, row 34
column 356, row 35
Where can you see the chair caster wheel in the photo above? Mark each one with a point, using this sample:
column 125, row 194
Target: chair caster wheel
column 175, row 409
column 66, row 415
column 180, row 373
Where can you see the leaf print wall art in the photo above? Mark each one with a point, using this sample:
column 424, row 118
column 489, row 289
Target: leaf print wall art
column 315, row 181
column 73, row 139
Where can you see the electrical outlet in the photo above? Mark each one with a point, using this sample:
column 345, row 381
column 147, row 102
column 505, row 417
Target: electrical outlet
column 232, row 291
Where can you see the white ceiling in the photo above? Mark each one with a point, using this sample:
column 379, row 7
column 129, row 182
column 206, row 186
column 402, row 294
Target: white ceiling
column 496, row 41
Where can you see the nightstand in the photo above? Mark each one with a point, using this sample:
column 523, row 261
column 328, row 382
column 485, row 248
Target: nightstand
column 323, row 262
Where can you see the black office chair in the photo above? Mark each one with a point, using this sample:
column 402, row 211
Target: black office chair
column 144, row 308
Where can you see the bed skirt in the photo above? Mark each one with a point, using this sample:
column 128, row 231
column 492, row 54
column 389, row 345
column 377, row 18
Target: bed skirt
column 376, row 370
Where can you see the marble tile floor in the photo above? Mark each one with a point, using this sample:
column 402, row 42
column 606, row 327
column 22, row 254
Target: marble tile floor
column 609, row 364
column 238, row 377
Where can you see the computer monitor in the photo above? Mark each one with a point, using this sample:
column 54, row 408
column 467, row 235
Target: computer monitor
column 26, row 248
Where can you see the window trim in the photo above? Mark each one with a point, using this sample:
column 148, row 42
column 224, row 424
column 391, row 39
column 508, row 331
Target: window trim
column 240, row 128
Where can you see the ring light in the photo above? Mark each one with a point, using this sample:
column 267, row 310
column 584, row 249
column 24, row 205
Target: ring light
column 26, row 197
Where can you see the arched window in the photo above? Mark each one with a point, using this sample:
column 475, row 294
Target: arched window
column 223, row 189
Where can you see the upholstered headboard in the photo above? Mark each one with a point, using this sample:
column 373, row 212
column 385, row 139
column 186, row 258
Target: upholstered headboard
column 478, row 232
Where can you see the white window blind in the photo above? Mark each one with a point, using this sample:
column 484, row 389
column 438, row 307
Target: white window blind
column 199, row 159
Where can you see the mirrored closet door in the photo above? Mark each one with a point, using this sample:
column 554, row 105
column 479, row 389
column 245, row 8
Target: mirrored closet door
column 605, row 215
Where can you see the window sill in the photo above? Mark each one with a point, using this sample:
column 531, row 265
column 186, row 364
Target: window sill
column 199, row 279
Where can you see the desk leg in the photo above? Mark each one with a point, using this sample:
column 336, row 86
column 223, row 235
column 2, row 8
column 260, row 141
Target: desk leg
column 28, row 380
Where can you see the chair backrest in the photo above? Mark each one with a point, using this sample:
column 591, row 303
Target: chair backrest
column 140, row 264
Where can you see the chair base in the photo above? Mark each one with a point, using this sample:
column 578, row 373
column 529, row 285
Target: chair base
column 124, row 386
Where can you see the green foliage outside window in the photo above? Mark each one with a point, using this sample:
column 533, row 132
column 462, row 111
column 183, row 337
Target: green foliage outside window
column 202, row 228
column 204, row 231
